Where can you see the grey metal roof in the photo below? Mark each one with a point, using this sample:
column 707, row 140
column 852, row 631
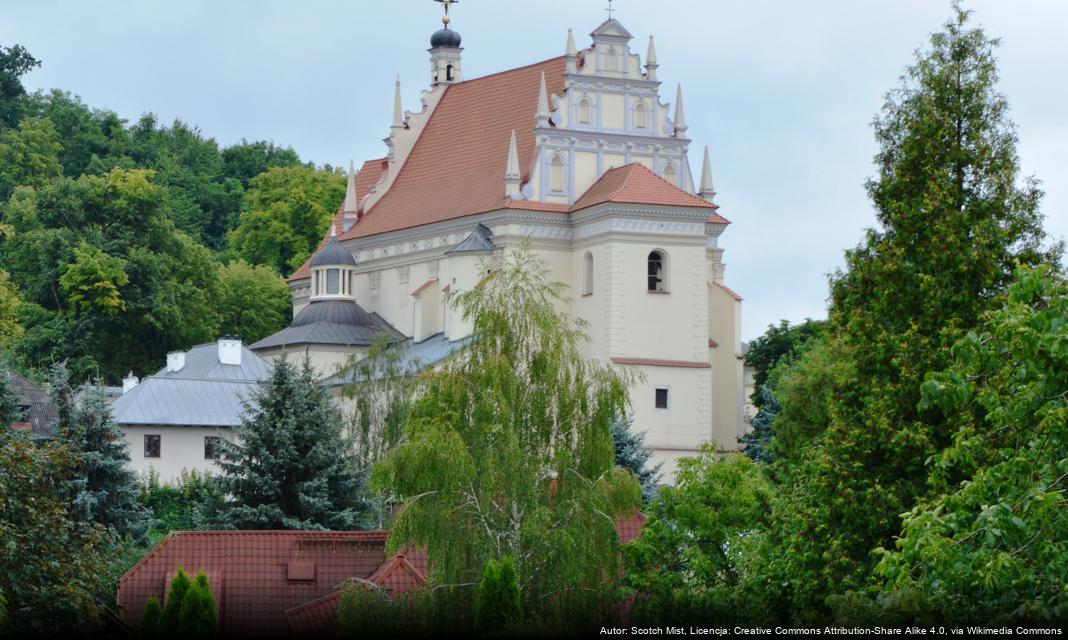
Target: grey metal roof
column 203, row 393
column 326, row 322
column 332, row 253
column 477, row 241
column 416, row 356
column 37, row 409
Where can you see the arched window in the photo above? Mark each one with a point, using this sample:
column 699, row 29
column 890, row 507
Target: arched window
column 556, row 175
column 610, row 61
column 641, row 117
column 670, row 174
column 657, row 272
column 584, row 111
column 448, row 73
column 587, row 274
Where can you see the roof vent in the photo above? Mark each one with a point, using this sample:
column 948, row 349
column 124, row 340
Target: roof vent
column 175, row 360
column 230, row 350
column 300, row 571
column 129, row 382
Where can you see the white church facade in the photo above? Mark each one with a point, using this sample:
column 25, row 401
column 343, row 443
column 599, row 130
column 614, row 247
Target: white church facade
column 577, row 156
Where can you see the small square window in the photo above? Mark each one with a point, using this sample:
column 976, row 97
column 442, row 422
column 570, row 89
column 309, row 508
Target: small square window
column 211, row 447
column 661, row 398
column 151, row 446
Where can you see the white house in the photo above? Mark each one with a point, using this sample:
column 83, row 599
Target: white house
column 577, row 155
column 173, row 419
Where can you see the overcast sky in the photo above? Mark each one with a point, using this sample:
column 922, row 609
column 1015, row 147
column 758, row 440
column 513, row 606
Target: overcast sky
column 783, row 92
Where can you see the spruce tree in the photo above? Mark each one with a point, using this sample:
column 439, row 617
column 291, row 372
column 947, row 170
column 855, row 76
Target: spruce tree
column 292, row 467
column 197, row 617
column 632, row 454
column 760, row 429
column 954, row 221
column 104, row 490
column 150, row 618
column 10, row 409
column 179, row 586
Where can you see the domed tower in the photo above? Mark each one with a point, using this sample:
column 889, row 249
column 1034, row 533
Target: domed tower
column 445, row 52
column 333, row 271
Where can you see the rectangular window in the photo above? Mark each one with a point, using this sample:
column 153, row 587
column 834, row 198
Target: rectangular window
column 211, row 450
column 332, row 282
column 661, row 398
column 151, row 446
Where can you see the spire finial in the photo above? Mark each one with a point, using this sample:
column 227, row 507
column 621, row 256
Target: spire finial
column 680, row 115
column 609, row 9
column 707, row 191
column 571, row 53
column 398, row 114
column 543, row 104
column 333, row 231
column 350, row 210
column 446, row 4
column 511, row 172
column 650, row 61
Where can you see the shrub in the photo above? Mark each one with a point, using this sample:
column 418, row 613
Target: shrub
column 150, row 619
column 197, row 618
column 497, row 605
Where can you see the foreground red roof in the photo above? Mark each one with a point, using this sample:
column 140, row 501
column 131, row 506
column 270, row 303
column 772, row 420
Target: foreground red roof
column 636, row 184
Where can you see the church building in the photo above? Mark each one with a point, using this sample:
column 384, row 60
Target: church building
column 579, row 157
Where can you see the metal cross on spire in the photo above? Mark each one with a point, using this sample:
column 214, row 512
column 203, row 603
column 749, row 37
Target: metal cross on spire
column 446, row 4
column 609, row 9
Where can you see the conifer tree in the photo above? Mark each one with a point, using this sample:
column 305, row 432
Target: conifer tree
column 292, row 467
column 150, row 619
column 632, row 454
column 103, row 489
column 10, row 410
column 197, row 617
column 954, row 222
column 508, row 451
column 179, row 587
column 497, row 605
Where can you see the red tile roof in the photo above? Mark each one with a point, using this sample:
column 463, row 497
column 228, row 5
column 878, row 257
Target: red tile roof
column 630, row 527
column 729, row 292
column 423, row 287
column 656, row 362
column 636, row 184
column 251, row 585
column 456, row 168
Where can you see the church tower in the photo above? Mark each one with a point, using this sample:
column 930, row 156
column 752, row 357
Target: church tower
column 445, row 52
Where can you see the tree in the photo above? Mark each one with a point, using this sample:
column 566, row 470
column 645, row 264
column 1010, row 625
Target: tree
column 246, row 160
column 172, row 607
column 992, row 543
column 779, row 342
column 758, row 440
column 10, row 403
column 150, row 619
column 197, row 617
column 15, row 62
column 690, row 562
column 954, row 225
column 508, row 451
column 291, row 467
column 633, row 455
column 93, row 280
column 102, row 487
column 379, row 386
column 29, row 155
column 51, row 566
column 285, row 214
column 497, row 605
column 254, row 302
column 10, row 304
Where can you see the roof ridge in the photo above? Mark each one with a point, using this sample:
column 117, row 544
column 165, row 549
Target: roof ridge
column 665, row 181
column 503, row 71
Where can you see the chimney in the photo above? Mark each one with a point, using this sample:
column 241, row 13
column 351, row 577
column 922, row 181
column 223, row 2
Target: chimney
column 175, row 360
column 230, row 350
column 129, row 382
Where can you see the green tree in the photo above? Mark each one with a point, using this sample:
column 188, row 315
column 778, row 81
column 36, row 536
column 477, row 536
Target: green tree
column 292, row 467
column 508, row 451
column 29, row 155
column 246, row 160
column 93, row 279
column 197, row 617
column 633, row 455
column 10, row 403
column 992, row 543
column 286, row 212
column 780, row 342
column 10, row 304
column 102, row 487
column 254, row 302
column 690, row 562
column 954, row 224
column 15, row 62
column 172, row 607
column 497, row 605
column 150, row 618
column 51, row 566
column 758, row 440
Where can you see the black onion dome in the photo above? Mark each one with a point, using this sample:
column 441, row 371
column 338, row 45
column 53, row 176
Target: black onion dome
column 332, row 253
column 344, row 312
column 445, row 38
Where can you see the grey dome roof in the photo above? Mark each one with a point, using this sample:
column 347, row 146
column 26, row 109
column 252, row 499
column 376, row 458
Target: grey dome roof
column 345, row 312
column 445, row 38
column 332, row 253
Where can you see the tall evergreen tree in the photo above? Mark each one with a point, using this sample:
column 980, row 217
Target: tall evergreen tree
column 10, row 404
column 954, row 222
column 103, row 489
column 632, row 454
column 150, row 618
column 508, row 451
column 180, row 585
column 197, row 617
column 497, row 605
column 292, row 467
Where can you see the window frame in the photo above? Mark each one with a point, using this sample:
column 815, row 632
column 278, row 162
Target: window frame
column 158, row 448
column 660, row 285
column 587, row 274
column 214, row 447
column 667, row 398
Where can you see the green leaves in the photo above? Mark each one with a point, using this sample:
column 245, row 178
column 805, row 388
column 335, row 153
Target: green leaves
column 93, row 280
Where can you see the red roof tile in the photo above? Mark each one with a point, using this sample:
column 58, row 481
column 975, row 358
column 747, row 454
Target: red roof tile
column 423, row 287
column 456, row 168
column 729, row 292
column 630, row 527
column 636, row 184
column 656, row 362
column 250, row 569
